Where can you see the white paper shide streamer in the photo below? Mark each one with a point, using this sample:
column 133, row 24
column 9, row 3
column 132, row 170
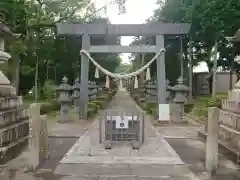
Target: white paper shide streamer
column 96, row 73
column 135, row 82
column 107, row 85
column 148, row 74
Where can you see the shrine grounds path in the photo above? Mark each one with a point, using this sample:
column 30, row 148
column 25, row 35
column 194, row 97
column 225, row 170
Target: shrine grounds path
column 170, row 152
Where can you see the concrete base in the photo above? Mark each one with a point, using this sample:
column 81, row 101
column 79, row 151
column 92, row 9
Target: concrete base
column 155, row 158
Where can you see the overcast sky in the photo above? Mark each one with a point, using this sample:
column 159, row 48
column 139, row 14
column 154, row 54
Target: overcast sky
column 137, row 12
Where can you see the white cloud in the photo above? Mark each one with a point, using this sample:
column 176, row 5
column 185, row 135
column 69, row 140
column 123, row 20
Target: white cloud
column 137, row 12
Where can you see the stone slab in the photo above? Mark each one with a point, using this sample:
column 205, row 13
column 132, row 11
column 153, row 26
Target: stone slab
column 67, row 130
column 155, row 159
column 178, row 131
column 120, row 170
column 87, row 149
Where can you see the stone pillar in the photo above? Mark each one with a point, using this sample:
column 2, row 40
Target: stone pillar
column 161, row 76
column 38, row 137
column 76, row 92
column 65, row 100
column 212, row 140
column 84, row 77
column 179, row 100
column 6, row 88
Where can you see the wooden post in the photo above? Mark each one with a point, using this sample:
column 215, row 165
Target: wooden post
column 161, row 76
column 84, row 77
column 212, row 140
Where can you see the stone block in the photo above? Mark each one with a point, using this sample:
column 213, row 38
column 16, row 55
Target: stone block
column 212, row 140
column 230, row 119
column 38, row 137
column 229, row 135
column 231, row 105
column 177, row 113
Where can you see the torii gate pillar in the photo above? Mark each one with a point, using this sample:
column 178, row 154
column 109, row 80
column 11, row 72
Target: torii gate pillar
column 152, row 29
column 161, row 76
column 83, row 109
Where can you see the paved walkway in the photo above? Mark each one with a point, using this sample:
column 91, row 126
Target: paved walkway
column 154, row 160
column 75, row 154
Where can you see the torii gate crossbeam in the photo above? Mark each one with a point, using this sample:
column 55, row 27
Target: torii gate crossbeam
column 151, row 29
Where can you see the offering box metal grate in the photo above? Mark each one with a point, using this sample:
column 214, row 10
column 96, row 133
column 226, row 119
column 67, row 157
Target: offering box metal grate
column 121, row 126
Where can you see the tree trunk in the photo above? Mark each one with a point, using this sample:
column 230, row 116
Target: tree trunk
column 210, row 78
column 17, row 76
column 36, row 81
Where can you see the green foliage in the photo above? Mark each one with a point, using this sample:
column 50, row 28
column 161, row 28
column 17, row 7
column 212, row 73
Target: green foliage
column 200, row 108
column 210, row 20
column 49, row 107
column 49, row 90
column 188, row 107
column 38, row 43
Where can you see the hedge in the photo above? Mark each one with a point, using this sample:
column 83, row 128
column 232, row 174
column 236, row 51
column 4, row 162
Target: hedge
column 93, row 106
column 46, row 108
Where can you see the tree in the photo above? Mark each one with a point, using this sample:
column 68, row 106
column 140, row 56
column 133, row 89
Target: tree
column 211, row 20
column 39, row 52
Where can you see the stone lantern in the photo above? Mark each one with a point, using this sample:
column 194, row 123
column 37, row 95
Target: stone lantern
column 180, row 91
column 168, row 90
column 65, row 99
column 76, row 92
column 5, row 84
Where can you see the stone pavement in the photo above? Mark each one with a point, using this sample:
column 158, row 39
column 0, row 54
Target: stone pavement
column 154, row 160
column 158, row 159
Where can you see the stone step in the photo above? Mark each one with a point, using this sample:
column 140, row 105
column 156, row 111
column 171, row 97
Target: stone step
column 230, row 119
column 146, row 171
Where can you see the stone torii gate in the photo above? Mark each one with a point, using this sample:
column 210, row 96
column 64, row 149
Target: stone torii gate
column 151, row 29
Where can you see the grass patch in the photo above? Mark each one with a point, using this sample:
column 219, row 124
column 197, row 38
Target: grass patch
column 200, row 108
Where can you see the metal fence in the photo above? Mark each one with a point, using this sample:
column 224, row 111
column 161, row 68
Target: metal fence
column 122, row 126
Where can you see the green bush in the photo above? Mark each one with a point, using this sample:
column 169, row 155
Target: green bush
column 49, row 90
column 93, row 105
column 214, row 102
column 53, row 105
column 202, row 104
column 188, row 108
